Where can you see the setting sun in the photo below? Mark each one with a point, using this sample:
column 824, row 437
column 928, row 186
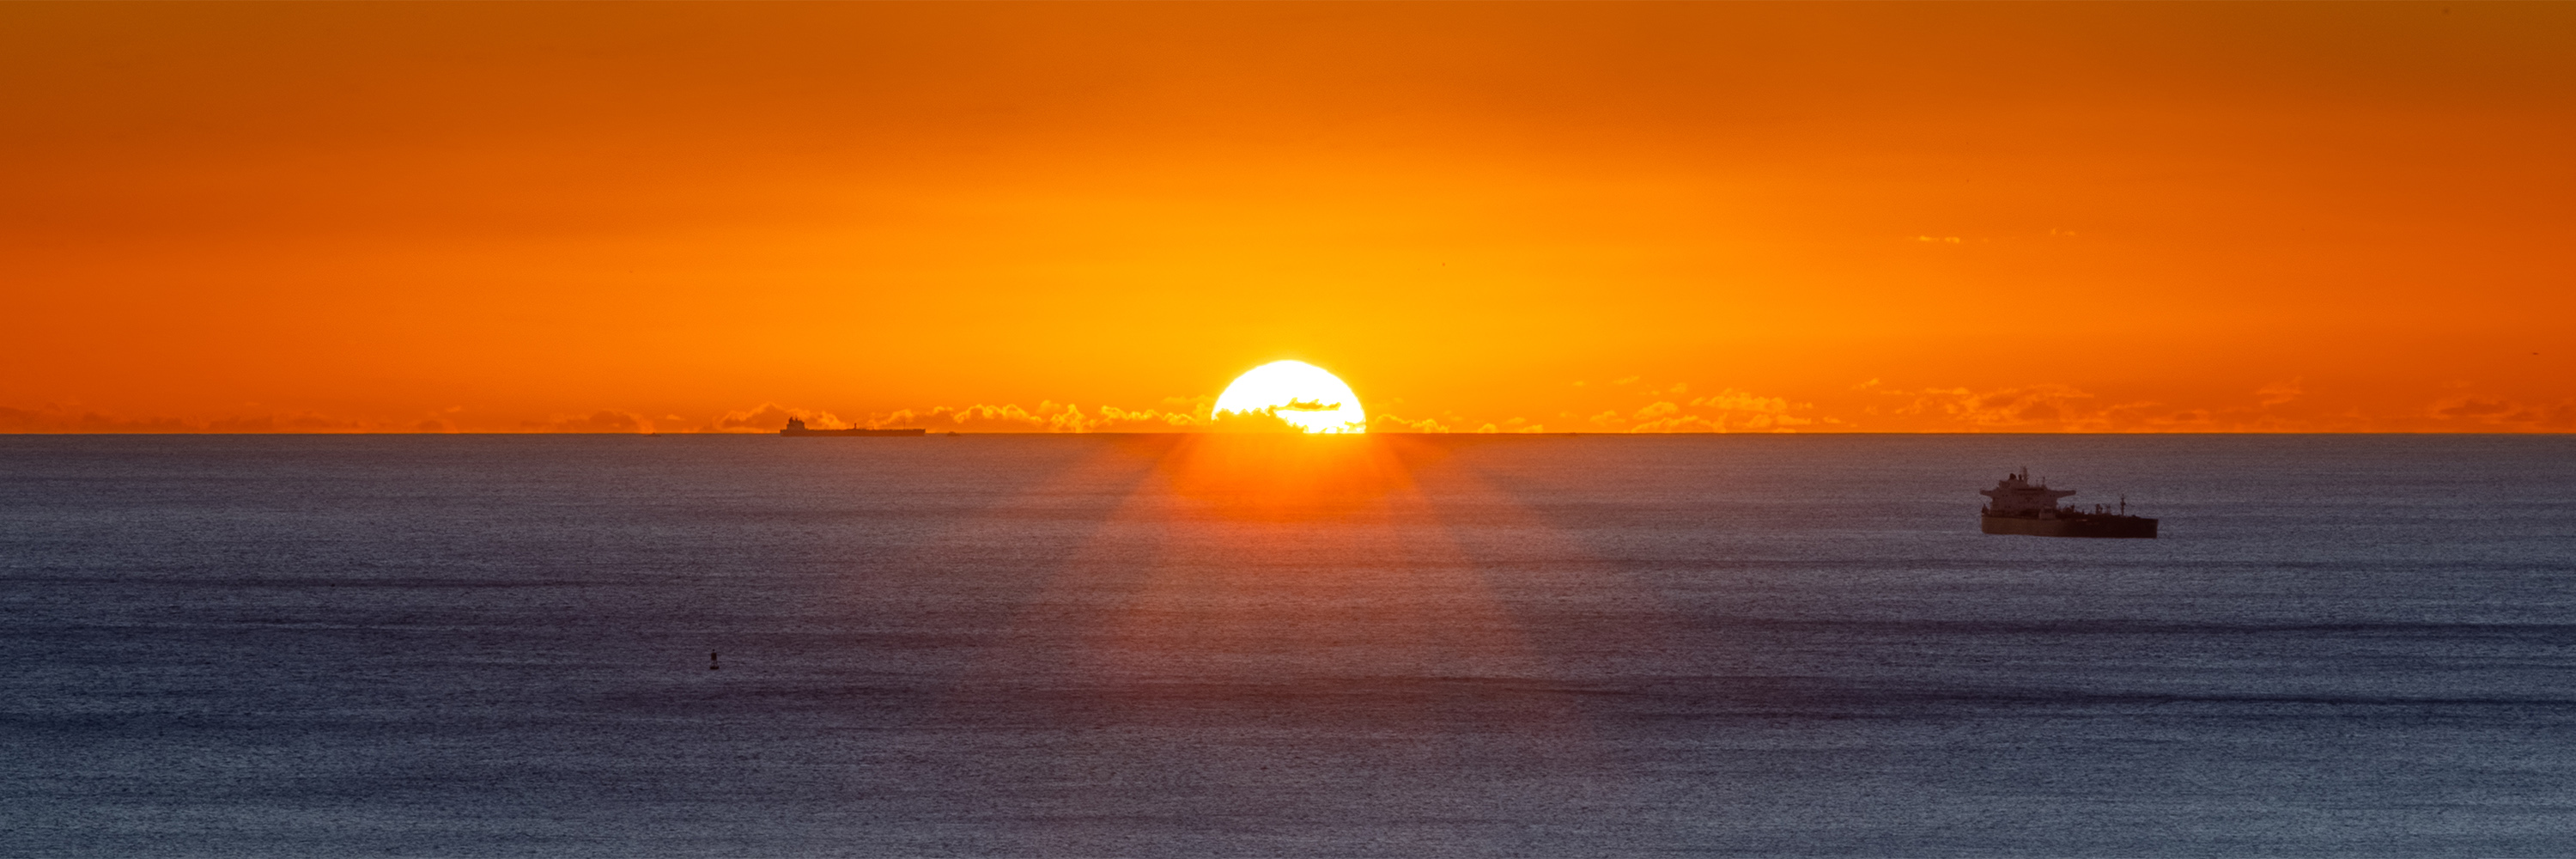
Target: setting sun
column 805, row 426
column 1300, row 394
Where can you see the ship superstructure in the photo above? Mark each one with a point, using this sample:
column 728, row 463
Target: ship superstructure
column 796, row 426
column 2018, row 506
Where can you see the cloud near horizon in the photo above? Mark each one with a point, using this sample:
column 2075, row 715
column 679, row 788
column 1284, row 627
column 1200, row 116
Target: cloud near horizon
column 1727, row 411
column 1870, row 406
column 1049, row 416
column 54, row 419
column 603, row 421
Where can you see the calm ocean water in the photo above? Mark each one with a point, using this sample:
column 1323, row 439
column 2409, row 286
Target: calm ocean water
column 1153, row 646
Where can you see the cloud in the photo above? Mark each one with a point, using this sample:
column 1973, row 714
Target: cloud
column 1515, row 425
column 2029, row 408
column 1728, row 410
column 597, row 422
column 2064, row 408
column 59, row 420
column 2507, row 415
column 1178, row 414
column 1115, row 419
column 2277, row 393
column 1390, row 423
column 1738, row 401
column 1052, row 417
column 1259, row 420
column 772, row 417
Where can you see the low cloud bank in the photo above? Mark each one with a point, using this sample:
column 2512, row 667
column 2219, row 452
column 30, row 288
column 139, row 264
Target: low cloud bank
column 1384, row 422
column 595, row 422
column 1047, row 417
column 772, row 417
column 2281, row 406
column 2508, row 415
column 58, row 420
column 2274, row 407
column 1726, row 411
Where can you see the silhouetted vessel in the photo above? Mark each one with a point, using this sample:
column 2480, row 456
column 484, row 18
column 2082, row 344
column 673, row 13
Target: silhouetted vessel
column 796, row 426
column 2022, row 508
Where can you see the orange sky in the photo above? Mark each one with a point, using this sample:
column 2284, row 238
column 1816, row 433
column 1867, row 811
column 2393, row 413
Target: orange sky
column 1832, row 217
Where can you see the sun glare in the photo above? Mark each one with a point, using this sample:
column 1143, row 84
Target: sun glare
column 1301, row 394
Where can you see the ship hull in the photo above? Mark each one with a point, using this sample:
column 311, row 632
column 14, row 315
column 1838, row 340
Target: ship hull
column 860, row 432
column 2112, row 527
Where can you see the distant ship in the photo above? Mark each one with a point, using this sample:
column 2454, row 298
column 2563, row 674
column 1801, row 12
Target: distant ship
column 2022, row 508
column 796, row 426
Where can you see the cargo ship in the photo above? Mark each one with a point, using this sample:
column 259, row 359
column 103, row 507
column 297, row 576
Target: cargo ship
column 2021, row 507
column 796, row 426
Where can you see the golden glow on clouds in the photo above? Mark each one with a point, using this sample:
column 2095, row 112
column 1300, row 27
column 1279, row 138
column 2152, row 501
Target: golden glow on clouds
column 1301, row 394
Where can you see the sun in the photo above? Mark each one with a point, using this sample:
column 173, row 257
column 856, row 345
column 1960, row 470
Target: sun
column 1299, row 393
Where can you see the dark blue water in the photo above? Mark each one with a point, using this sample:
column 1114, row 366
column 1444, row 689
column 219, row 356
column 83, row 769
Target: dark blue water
column 994, row 645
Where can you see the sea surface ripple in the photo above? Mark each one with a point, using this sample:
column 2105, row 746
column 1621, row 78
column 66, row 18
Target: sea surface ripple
column 1383, row 646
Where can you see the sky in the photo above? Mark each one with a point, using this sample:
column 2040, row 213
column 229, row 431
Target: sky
column 1583, row 217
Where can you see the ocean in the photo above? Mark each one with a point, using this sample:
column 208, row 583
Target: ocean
column 992, row 645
